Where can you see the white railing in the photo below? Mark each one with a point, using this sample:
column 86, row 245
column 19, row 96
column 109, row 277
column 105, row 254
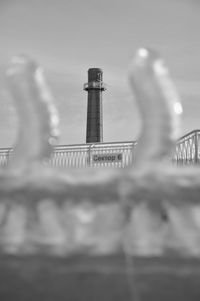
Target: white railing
column 115, row 154
column 187, row 149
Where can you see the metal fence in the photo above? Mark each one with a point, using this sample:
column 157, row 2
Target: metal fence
column 187, row 149
column 5, row 154
column 115, row 154
column 97, row 155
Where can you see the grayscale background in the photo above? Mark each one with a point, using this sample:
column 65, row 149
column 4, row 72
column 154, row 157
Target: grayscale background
column 68, row 37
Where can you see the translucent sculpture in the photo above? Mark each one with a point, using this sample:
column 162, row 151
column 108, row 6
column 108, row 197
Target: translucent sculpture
column 150, row 209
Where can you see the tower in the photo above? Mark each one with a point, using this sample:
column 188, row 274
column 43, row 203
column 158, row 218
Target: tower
column 94, row 87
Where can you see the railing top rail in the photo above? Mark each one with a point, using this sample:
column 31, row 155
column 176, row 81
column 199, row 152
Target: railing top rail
column 189, row 134
column 6, row 149
column 97, row 144
column 83, row 146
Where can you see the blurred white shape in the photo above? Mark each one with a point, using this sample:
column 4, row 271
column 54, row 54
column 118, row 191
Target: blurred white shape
column 143, row 52
column 178, row 108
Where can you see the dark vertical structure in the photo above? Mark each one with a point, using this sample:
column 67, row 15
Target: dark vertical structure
column 94, row 87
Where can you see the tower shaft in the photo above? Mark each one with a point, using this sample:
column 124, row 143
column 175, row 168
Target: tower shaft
column 94, row 87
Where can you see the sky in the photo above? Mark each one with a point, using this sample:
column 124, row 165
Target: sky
column 67, row 37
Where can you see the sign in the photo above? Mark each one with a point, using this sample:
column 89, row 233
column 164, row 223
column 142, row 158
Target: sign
column 107, row 158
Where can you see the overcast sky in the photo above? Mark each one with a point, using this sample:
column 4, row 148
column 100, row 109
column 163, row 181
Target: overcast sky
column 69, row 36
